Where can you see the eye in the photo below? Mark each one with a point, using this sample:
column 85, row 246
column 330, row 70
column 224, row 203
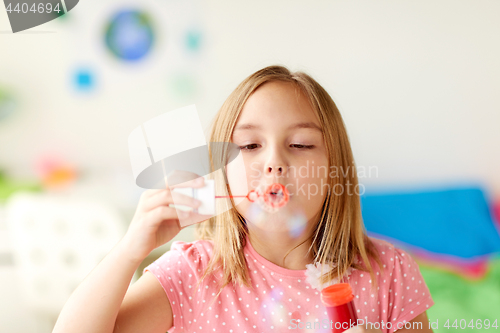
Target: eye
column 299, row 146
column 248, row 147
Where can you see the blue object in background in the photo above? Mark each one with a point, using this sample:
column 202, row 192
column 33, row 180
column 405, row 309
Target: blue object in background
column 129, row 35
column 453, row 221
column 193, row 40
column 84, row 79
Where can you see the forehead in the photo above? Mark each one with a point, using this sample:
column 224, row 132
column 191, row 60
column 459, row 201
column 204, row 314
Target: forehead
column 277, row 104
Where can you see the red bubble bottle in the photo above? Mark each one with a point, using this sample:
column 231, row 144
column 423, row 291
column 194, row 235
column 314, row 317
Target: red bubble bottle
column 338, row 300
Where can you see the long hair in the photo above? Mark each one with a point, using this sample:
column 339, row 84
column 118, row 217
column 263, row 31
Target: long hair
column 340, row 236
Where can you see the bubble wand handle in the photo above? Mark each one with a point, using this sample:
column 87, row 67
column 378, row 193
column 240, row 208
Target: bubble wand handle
column 250, row 196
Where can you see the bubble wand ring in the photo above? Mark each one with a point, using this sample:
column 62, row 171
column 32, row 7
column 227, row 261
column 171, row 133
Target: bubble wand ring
column 279, row 190
column 273, row 189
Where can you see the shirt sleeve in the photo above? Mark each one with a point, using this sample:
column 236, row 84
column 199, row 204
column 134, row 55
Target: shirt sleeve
column 409, row 296
column 178, row 271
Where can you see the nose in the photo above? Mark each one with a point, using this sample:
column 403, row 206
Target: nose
column 275, row 166
column 274, row 171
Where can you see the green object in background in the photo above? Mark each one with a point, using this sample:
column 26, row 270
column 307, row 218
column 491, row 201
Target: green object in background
column 182, row 86
column 7, row 104
column 8, row 187
column 457, row 298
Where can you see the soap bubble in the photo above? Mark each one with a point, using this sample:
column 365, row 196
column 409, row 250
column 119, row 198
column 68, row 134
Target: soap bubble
column 270, row 198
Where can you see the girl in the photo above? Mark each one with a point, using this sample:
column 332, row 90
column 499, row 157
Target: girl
column 248, row 270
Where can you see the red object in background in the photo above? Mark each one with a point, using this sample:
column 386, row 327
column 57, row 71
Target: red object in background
column 338, row 299
column 496, row 212
column 54, row 171
column 473, row 270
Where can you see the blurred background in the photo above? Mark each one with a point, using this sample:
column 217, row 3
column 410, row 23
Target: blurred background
column 416, row 82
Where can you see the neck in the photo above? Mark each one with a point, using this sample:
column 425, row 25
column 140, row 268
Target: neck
column 273, row 246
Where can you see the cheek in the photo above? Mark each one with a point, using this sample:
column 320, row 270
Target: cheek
column 311, row 180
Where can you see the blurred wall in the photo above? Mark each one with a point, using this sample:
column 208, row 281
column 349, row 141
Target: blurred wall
column 415, row 81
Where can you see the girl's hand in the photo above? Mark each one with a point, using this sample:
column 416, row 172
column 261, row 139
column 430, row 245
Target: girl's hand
column 362, row 329
column 155, row 222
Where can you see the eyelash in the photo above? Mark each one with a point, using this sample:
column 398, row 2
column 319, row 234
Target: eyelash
column 303, row 146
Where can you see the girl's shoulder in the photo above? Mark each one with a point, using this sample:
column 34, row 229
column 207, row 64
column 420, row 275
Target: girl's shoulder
column 383, row 247
column 402, row 291
column 188, row 257
column 392, row 256
column 198, row 250
column 202, row 245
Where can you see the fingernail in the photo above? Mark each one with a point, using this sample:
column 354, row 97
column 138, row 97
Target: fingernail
column 183, row 213
column 197, row 202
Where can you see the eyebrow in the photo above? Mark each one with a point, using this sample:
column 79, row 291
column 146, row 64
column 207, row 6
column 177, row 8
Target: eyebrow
column 294, row 126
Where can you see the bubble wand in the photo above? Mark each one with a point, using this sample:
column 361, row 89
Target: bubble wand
column 271, row 199
column 276, row 195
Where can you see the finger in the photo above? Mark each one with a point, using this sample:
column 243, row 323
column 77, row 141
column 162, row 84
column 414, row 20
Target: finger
column 356, row 329
column 166, row 197
column 156, row 216
column 185, row 218
column 149, row 193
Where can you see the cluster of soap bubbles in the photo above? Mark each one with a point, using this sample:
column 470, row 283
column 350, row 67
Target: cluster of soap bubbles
column 270, row 199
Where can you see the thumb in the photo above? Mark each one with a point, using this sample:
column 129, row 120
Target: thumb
column 356, row 329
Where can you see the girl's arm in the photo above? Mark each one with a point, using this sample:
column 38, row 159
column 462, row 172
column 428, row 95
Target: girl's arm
column 99, row 300
column 96, row 305
column 146, row 308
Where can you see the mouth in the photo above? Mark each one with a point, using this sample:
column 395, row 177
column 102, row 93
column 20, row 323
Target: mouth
column 276, row 195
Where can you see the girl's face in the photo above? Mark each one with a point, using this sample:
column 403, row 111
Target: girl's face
column 281, row 141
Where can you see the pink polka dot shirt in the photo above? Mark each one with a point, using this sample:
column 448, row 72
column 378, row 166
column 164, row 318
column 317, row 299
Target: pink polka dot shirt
column 281, row 300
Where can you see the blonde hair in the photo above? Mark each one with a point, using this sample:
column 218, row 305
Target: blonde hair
column 340, row 236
